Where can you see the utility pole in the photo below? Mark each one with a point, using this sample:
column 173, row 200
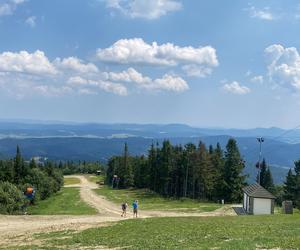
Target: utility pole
column 260, row 140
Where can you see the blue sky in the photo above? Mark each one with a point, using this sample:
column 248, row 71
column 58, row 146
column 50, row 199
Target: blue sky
column 204, row 63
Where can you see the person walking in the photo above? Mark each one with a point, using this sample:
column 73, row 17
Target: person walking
column 135, row 206
column 124, row 209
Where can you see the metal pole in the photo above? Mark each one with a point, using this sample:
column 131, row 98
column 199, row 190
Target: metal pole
column 260, row 140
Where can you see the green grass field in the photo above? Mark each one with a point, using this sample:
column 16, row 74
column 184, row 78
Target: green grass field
column 65, row 202
column 96, row 178
column 71, row 181
column 151, row 201
column 243, row 232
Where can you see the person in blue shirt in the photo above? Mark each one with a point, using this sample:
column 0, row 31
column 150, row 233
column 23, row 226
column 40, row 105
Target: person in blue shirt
column 135, row 206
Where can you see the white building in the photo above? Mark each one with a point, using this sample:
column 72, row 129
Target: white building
column 258, row 200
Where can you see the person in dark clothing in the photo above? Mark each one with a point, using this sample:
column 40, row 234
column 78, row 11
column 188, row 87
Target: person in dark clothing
column 124, row 209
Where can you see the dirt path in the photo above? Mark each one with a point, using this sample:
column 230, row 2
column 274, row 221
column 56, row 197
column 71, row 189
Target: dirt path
column 108, row 208
column 108, row 213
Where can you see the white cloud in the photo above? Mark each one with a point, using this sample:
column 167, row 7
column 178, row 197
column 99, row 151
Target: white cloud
column 167, row 82
column 23, row 73
column 283, row 66
column 257, row 79
column 77, row 80
column 195, row 61
column 115, row 88
column 236, row 88
column 264, row 14
column 129, row 75
column 24, row 62
column 147, row 9
column 7, row 7
column 75, row 64
column 170, row 83
column 31, row 21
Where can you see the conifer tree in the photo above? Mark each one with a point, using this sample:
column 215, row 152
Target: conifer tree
column 289, row 186
column 268, row 181
column 19, row 168
column 233, row 176
column 128, row 173
column 263, row 171
column 152, row 164
column 217, row 160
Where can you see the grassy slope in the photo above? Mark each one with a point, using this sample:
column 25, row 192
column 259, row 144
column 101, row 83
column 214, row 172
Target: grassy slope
column 67, row 201
column 243, row 232
column 71, row 181
column 152, row 201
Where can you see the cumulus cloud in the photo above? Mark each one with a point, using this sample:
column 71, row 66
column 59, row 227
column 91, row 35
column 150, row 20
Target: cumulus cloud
column 170, row 83
column 75, row 64
column 147, row 9
column 31, row 21
column 167, row 82
column 264, row 14
column 129, row 75
column 24, row 62
column 24, row 73
column 194, row 61
column 236, row 88
column 7, row 7
column 283, row 65
column 88, row 86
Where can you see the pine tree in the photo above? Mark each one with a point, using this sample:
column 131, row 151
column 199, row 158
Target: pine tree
column 217, row 160
column 165, row 156
column 128, row 173
column 19, row 168
column 189, row 163
column 152, row 164
column 263, row 171
column 268, row 181
column 289, row 186
column 297, row 184
column 233, row 169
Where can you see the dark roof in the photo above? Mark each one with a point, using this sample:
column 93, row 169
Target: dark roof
column 256, row 190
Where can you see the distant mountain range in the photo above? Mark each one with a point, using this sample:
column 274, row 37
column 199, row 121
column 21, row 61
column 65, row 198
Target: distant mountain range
column 91, row 142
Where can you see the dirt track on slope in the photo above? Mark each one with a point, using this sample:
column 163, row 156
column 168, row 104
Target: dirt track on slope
column 108, row 212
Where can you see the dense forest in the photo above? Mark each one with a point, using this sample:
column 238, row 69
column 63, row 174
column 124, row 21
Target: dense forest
column 196, row 172
column 183, row 171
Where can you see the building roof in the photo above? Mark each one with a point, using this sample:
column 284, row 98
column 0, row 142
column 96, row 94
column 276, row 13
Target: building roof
column 257, row 191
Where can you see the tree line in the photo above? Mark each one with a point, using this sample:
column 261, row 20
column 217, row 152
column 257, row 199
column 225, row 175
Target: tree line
column 193, row 171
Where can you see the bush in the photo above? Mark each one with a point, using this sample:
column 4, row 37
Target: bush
column 11, row 199
column 44, row 185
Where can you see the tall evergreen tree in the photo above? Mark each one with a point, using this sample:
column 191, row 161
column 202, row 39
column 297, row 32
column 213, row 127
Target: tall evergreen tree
column 289, row 186
column 165, row 159
column 19, row 168
column 297, row 184
column 152, row 164
column 128, row 173
column 268, row 181
column 262, row 174
column 217, row 160
column 233, row 176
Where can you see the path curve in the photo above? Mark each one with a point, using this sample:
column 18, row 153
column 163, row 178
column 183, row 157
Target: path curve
column 107, row 212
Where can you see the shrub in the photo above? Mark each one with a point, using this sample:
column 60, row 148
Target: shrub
column 11, row 199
